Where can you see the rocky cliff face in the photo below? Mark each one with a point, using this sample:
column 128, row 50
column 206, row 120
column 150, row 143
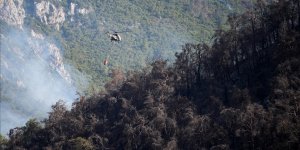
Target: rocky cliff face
column 33, row 74
column 54, row 15
column 12, row 12
column 74, row 10
column 50, row 14
column 49, row 52
column 33, row 77
column 20, row 47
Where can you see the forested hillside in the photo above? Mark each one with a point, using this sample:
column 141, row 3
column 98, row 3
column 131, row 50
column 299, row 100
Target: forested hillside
column 240, row 92
column 154, row 29
column 53, row 49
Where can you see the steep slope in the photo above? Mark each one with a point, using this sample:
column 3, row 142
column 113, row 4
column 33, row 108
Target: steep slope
column 63, row 41
column 31, row 69
column 157, row 30
column 239, row 93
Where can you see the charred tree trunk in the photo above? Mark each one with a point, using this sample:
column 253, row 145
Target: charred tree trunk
column 298, row 6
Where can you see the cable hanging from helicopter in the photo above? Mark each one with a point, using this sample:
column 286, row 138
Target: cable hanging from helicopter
column 114, row 37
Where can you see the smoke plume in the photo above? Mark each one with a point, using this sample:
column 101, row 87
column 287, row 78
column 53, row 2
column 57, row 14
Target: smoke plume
column 33, row 78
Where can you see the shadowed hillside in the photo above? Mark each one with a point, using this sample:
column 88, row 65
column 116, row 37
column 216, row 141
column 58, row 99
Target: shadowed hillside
column 242, row 92
column 65, row 41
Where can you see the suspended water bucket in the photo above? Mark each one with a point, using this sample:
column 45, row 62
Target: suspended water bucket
column 105, row 62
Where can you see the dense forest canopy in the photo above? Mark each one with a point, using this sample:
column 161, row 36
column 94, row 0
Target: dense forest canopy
column 157, row 30
column 77, row 31
column 240, row 92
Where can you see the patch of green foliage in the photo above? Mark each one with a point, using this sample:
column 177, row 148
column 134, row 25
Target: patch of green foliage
column 237, row 93
column 157, row 30
column 3, row 142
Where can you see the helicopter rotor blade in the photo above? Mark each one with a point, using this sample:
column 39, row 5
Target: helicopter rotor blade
column 122, row 31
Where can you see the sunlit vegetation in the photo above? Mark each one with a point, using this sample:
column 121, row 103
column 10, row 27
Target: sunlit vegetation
column 158, row 29
column 242, row 92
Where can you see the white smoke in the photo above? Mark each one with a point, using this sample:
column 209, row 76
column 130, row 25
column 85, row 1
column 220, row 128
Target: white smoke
column 31, row 79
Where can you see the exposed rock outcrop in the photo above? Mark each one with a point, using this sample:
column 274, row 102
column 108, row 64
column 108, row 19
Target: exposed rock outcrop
column 12, row 12
column 84, row 11
column 57, row 62
column 72, row 9
column 49, row 52
column 49, row 14
column 32, row 73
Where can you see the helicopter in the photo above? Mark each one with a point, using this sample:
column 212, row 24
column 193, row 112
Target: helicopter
column 114, row 36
